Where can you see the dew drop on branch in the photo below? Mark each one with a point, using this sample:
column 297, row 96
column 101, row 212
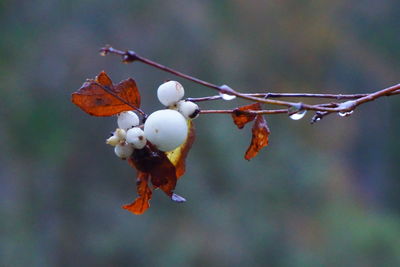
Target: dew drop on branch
column 346, row 105
column 226, row 97
column 177, row 198
column 345, row 114
column 298, row 115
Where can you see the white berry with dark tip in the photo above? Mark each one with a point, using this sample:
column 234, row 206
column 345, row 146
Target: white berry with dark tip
column 136, row 138
column 188, row 109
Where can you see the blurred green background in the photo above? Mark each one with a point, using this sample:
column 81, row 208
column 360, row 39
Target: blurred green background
column 318, row 195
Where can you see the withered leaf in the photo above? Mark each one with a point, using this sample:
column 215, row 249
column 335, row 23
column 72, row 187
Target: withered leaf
column 178, row 156
column 141, row 203
column 260, row 135
column 100, row 97
column 241, row 117
column 156, row 164
column 162, row 169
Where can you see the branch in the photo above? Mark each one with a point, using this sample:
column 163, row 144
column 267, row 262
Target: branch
column 257, row 112
column 293, row 95
column 321, row 110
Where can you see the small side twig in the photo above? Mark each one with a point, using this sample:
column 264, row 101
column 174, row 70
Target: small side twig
column 258, row 112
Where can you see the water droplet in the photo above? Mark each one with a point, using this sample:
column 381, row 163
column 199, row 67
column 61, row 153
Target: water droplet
column 298, row 115
column 103, row 53
column 227, row 96
column 177, row 198
column 345, row 114
column 347, row 104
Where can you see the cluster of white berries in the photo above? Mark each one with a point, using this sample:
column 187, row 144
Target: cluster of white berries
column 128, row 136
column 166, row 129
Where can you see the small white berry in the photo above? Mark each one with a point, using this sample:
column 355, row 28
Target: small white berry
column 166, row 129
column 120, row 133
column 123, row 151
column 170, row 92
column 136, row 138
column 188, row 109
column 113, row 141
column 117, row 137
column 127, row 120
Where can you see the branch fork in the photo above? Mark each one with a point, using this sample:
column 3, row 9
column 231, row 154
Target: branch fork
column 290, row 108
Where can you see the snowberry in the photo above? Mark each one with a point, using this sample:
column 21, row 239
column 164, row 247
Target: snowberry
column 113, row 141
column 135, row 137
column 170, row 92
column 188, row 109
column 127, row 120
column 117, row 137
column 120, row 133
column 166, row 129
column 123, row 150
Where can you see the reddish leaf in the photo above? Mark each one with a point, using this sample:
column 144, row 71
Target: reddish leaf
column 260, row 134
column 161, row 168
column 100, row 97
column 103, row 79
column 141, row 203
column 156, row 164
column 178, row 156
column 241, row 117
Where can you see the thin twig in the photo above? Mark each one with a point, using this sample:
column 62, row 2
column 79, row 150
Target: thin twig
column 292, row 95
column 320, row 109
column 258, row 112
column 131, row 56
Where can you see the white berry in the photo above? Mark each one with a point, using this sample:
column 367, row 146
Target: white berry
column 120, row 133
column 188, row 109
column 113, row 141
column 123, row 151
column 170, row 93
column 136, row 138
column 118, row 136
column 127, row 120
column 166, row 129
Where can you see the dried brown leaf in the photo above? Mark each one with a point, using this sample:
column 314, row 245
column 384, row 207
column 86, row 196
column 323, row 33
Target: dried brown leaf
column 156, row 164
column 241, row 117
column 100, row 97
column 260, row 135
column 141, row 203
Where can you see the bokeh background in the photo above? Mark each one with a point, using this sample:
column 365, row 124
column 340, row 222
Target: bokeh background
column 319, row 195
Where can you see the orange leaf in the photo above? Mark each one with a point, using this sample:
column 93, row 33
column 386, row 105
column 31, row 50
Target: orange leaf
column 100, row 97
column 241, row 117
column 178, row 156
column 260, row 134
column 141, row 203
